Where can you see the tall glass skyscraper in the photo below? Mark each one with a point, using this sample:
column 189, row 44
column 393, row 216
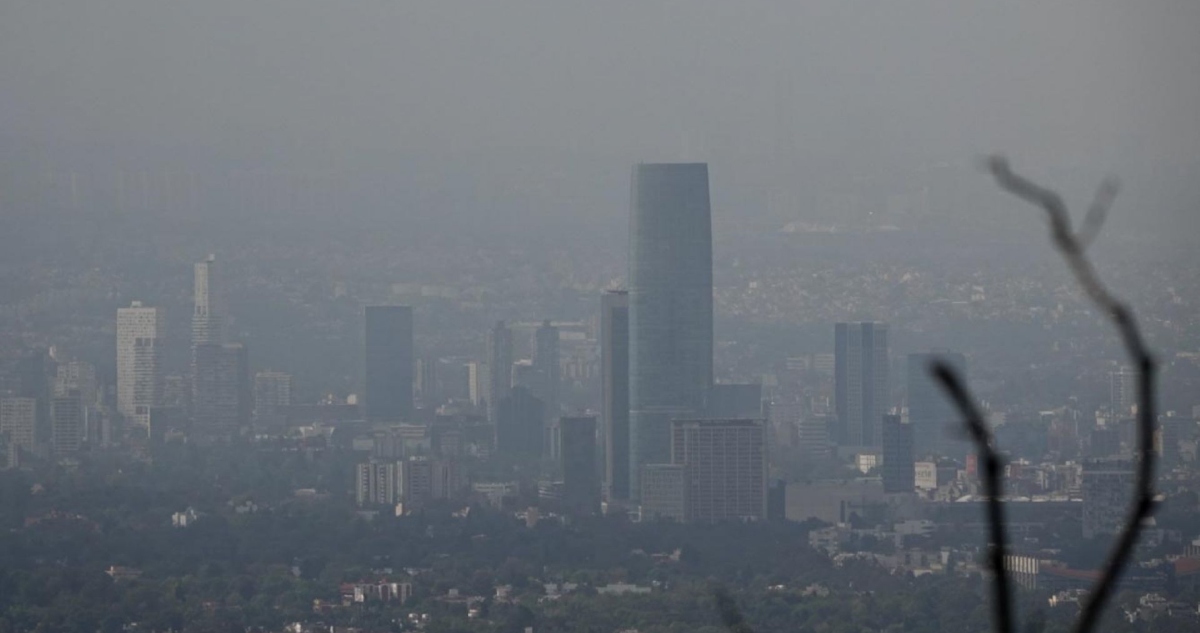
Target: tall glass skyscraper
column 860, row 352
column 670, row 306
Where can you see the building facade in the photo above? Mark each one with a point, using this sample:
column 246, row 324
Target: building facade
column 272, row 390
column 221, row 395
column 1107, row 492
column 18, row 422
column 577, row 451
column 500, row 360
column 546, row 362
column 1121, row 394
column 663, row 493
column 725, row 468
column 670, row 306
column 519, row 431
column 899, row 465
column 66, row 425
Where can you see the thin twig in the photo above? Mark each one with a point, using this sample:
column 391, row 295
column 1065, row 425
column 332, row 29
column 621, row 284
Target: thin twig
column 1073, row 247
column 993, row 482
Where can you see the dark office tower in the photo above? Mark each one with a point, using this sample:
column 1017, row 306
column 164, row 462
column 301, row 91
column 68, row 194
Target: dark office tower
column 221, row 396
column 933, row 417
column 545, row 362
column 389, row 363
column 500, row 360
column 519, row 427
column 670, row 306
column 861, row 381
column 899, row 470
column 577, row 449
column 614, row 407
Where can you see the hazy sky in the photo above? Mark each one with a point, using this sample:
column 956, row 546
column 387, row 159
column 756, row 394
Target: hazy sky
column 1089, row 83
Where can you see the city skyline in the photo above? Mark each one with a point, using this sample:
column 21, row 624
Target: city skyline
column 550, row 317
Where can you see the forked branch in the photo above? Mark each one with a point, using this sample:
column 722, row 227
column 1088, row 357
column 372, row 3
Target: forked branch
column 1073, row 247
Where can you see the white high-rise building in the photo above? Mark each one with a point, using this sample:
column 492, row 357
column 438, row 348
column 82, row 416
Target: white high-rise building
column 140, row 334
column 208, row 318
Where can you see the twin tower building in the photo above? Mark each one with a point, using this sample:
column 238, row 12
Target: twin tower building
column 657, row 337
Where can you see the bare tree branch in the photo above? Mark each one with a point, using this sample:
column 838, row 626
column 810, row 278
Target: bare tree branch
column 1073, row 247
column 954, row 385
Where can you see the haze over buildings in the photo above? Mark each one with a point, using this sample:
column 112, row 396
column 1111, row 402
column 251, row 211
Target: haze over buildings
column 390, row 361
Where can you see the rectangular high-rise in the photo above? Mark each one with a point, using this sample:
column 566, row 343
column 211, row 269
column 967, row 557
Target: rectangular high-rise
column 614, row 405
column 930, row 411
column 388, row 352
column 519, row 419
column 899, row 465
column 140, row 337
column 577, row 450
column 725, row 468
column 208, row 315
column 66, row 425
column 860, row 382
column 377, row 483
column 499, row 360
column 18, row 421
column 1121, row 391
column 221, row 396
column 670, row 306
column 546, row 363
column 1107, row 492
